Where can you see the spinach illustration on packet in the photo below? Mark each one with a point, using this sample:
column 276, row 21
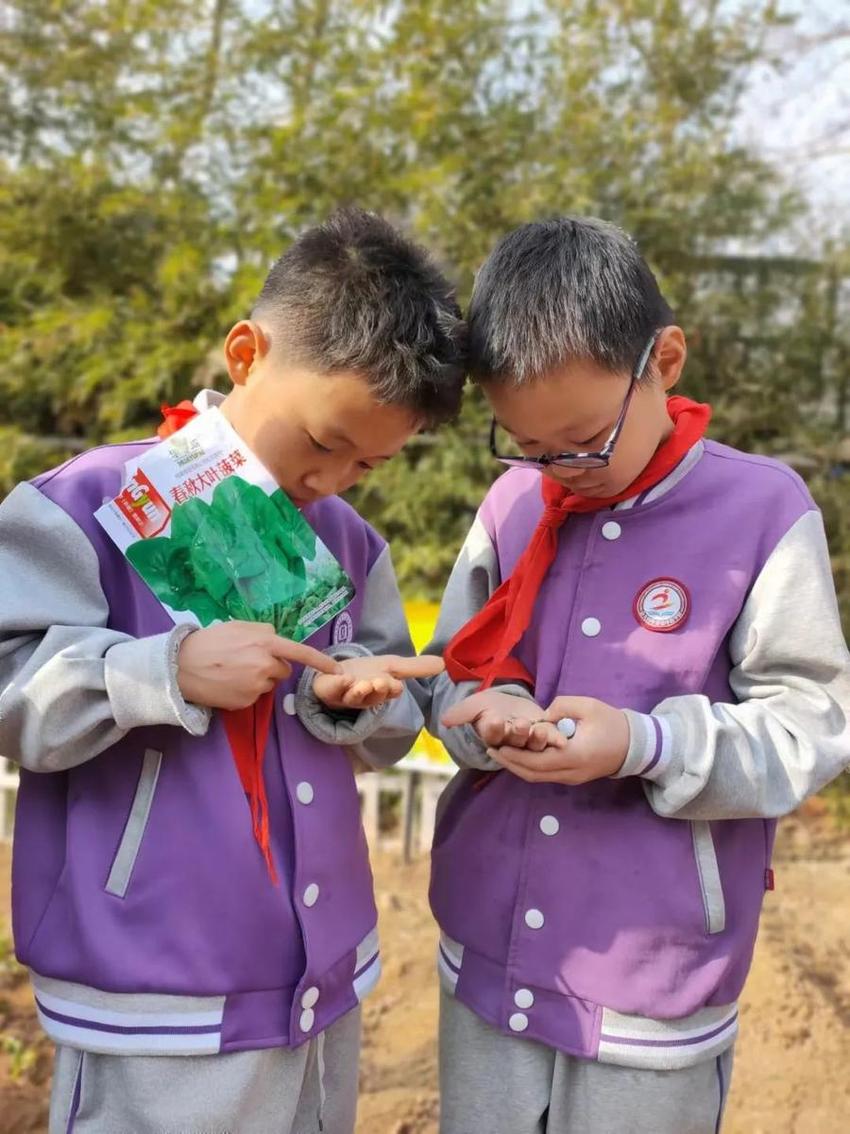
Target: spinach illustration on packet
column 222, row 544
column 244, row 555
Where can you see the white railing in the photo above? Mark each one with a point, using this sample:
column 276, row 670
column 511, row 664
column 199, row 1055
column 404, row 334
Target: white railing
column 416, row 782
column 8, row 792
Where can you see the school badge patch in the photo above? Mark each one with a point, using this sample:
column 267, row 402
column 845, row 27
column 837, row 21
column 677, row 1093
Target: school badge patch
column 343, row 629
column 662, row 605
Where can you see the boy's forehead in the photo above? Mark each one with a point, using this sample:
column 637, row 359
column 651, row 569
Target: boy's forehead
column 345, row 409
column 579, row 395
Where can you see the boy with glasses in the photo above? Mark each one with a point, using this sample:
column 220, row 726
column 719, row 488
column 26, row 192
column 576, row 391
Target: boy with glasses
column 645, row 669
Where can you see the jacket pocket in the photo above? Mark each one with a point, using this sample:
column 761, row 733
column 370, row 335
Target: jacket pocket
column 134, row 828
column 713, row 902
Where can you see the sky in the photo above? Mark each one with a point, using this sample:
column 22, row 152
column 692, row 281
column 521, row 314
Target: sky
column 799, row 117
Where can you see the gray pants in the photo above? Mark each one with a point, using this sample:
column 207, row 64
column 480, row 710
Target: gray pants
column 272, row 1091
column 491, row 1083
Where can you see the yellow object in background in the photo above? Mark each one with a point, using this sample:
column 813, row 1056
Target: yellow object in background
column 422, row 618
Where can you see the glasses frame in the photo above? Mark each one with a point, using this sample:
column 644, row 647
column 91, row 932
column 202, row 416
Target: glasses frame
column 599, row 459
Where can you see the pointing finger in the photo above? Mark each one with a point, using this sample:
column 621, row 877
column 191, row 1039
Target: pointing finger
column 287, row 650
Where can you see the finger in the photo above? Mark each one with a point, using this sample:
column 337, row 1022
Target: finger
column 537, row 740
column 349, row 700
column 575, row 707
column 375, row 698
column 465, row 711
column 491, row 728
column 548, row 761
column 372, row 691
column 517, row 731
column 388, row 686
column 546, row 735
column 501, row 757
column 354, row 700
column 333, row 685
column 297, row 652
column 550, row 770
column 381, row 696
column 279, row 670
column 360, row 691
column 426, row 665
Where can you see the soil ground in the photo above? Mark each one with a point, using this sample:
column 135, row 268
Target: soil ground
column 792, row 1069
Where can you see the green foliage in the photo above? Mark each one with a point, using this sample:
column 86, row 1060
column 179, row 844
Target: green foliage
column 158, row 156
column 837, row 798
column 22, row 1057
column 244, row 555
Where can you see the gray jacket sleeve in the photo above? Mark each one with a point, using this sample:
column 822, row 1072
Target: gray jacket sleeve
column 789, row 735
column 70, row 687
column 474, row 577
column 381, row 736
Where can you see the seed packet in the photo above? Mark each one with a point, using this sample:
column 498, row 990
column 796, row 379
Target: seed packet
column 206, row 526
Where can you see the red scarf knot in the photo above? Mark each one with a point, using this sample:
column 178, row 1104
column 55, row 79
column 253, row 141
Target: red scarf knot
column 482, row 649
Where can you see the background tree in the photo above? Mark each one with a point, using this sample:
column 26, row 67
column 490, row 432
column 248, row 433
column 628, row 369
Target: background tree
column 158, row 156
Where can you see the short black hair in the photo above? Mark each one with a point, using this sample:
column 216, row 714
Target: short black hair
column 355, row 294
column 559, row 289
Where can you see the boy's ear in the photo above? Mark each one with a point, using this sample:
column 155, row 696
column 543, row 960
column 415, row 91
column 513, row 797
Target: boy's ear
column 246, row 344
column 671, row 350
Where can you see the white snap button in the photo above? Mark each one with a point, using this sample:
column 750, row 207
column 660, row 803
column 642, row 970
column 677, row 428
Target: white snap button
column 308, row 1019
column 304, row 792
column 524, row 998
column 549, row 825
column 310, row 997
column 518, row 1022
column 311, row 894
column 289, row 704
column 534, row 919
column 611, row 530
column 591, row 627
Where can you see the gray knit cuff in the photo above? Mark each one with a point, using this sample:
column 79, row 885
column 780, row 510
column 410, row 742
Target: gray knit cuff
column 344, row 728
column 141, row 681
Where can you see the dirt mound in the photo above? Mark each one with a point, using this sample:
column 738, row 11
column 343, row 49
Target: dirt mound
column 791, row 1064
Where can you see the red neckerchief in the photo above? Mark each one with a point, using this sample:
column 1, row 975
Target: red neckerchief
column 247, row 729
column 481, row 650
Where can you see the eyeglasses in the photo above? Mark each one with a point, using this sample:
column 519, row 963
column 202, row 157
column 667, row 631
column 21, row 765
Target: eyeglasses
column 598, row 460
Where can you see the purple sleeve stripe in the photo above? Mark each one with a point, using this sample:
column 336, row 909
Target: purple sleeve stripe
column 671, row 1042
column 455, row 968
column 367, row 964
column 119, row 1029
column 659, row 744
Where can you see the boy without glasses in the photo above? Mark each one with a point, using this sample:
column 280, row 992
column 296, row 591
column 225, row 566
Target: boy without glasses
column 184, row 991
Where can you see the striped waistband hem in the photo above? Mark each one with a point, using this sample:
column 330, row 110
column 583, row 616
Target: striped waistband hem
column 118, row 1023
column 639, row 1041
column 578, row 1026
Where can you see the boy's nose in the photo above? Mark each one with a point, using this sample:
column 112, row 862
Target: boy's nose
column 331, row 483
column 564, row 474
column 321, row 483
